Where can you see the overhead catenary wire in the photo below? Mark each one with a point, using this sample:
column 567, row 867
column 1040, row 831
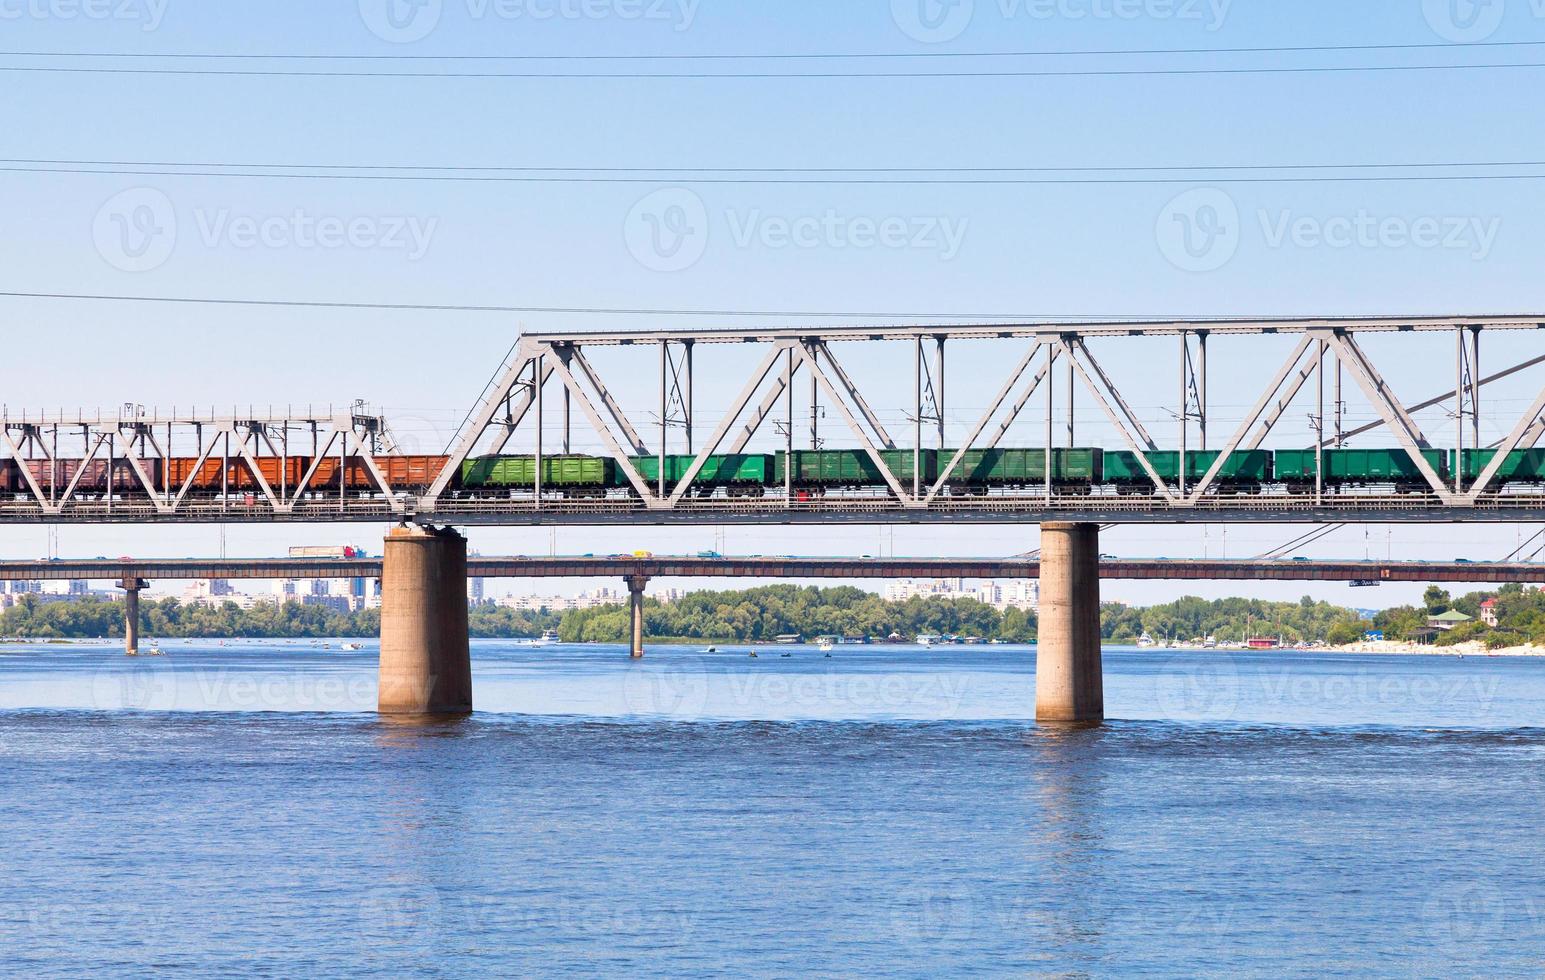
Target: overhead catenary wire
column 673, row 177
column 766, row 75
column 786, row 56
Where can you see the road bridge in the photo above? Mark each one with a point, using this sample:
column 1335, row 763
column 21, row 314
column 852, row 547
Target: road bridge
column 789, row 567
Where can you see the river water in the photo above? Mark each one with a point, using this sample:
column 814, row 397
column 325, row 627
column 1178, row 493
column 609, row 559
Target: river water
column 237, row 809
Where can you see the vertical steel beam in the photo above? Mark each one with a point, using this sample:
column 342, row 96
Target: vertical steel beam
column 536, row 381
column 686, row 398
column 788, row 436
column 564, row 354
column 1475, row 387
column 665, row 353
column 1051, row 406
column 1459, row 407
column 1185, row 403
column 1201, row 387
column 1319, row 422
column 815, row 403
column 917, row 427
column 938, row 392
column 1072, row 398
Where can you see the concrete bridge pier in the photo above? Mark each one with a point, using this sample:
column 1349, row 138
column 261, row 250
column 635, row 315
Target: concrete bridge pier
column 1069, row 683
column 636, row 585
column 131, row 589
column 426, row 662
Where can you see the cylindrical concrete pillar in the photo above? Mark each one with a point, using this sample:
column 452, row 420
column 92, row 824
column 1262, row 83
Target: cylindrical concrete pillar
column 426, row 663
column 131, row 589
column 1069, row 686
column 636, row 616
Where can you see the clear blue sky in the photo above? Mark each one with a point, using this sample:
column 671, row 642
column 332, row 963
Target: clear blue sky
column 1088, row 250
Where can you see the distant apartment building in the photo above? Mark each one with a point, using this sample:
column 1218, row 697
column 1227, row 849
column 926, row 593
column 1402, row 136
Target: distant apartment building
column 1016, row 594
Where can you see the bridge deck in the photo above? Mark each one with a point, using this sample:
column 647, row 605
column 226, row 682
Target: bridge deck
column 787, row 568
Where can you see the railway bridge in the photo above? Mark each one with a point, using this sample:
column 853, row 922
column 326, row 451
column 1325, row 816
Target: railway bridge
column 1309, row 430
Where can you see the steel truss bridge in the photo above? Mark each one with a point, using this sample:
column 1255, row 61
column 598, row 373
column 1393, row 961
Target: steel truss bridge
column 550, row 383
column 633, row 569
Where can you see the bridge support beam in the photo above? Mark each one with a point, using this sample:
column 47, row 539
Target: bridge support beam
column 131, row 589
column 636, row 585
column 426, row 662
column 1069, row 685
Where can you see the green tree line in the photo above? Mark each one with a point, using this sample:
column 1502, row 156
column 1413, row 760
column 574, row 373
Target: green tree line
column 1233, row 620
column 93, row 617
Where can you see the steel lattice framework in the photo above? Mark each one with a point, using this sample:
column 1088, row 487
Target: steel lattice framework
column 56, row 455
column 551, row 383
column 1325, row 348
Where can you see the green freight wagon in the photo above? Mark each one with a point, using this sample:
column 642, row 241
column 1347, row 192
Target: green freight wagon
column 718, row 471
column 558, row 472
column 853, row 467
column 1520, row 466
column 1244, row 468
column 1024, row 467
column 1360, row 466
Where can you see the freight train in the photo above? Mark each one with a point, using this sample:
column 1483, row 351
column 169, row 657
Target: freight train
column 811, row 473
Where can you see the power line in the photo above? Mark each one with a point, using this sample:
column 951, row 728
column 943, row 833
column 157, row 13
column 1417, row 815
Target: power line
column 622, row 311
column 785, row 56
column 775, row 170
column 679, row 76
column 813, row 180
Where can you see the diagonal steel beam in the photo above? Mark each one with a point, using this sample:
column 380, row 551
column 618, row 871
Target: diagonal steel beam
column 1024, row 399
column 1384, row 402
column 1448, row 395
column 26, row 471
column 1115, row 393
column 987, row 416
column 758, row 378
column 619, row 454
column 579, row 360
column 857, row 396
column 1069, row 347
column 1255, row 414
column 1524, row 435
column 1295, row 385
column 518, row 411
column 768, row 406
column 483, row 418
column 864, row 441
